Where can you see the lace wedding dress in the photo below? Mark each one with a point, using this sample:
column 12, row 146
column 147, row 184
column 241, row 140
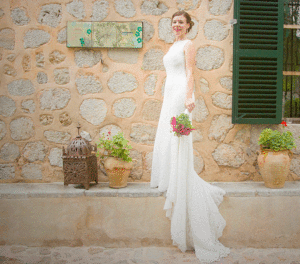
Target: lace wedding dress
column 191, row 203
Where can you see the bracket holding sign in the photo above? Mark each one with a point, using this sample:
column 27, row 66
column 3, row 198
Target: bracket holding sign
column 105, row 34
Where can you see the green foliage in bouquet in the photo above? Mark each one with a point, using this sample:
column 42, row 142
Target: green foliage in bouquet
column 181, row 125
column 117, row 147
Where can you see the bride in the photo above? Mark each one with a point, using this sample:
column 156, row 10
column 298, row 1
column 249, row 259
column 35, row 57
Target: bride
column 191, row 203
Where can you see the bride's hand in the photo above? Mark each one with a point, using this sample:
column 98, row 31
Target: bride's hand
column 190, row 104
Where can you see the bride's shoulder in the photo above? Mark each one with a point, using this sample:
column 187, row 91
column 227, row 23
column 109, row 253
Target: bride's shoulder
column 189, row 46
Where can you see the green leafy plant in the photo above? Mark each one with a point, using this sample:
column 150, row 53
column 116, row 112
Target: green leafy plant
column 116, row 147
column 275, row 140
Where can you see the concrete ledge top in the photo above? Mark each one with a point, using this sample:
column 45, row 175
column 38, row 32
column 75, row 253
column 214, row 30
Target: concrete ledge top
column 58, row 190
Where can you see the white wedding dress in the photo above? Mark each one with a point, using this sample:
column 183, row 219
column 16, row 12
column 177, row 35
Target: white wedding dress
column 191, row 203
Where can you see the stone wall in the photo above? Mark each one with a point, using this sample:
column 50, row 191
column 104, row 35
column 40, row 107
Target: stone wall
column 47, row 88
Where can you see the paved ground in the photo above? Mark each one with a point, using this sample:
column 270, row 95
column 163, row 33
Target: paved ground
column 144, row 255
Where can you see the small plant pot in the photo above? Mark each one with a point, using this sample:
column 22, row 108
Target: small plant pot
column 274, row 167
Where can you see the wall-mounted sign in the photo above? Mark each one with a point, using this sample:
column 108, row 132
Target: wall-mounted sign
column 105, row 34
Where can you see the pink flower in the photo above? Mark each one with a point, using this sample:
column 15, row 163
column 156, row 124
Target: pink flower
column 173, row 123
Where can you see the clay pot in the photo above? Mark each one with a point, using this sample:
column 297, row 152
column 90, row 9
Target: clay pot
column 274, row 167
column 117, row 171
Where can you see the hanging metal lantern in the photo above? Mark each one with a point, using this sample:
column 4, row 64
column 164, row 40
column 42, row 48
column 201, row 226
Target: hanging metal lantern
column 79, row 163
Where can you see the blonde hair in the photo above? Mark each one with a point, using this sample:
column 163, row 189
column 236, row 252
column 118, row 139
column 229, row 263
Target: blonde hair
column 187, row 17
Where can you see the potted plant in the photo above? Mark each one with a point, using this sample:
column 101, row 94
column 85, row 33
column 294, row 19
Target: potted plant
column 114, row 156
column 275, row 156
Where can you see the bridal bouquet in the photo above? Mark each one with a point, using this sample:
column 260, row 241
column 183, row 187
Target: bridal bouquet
column 181, row 125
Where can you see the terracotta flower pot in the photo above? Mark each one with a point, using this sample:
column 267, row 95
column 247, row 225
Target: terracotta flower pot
column 274, row 167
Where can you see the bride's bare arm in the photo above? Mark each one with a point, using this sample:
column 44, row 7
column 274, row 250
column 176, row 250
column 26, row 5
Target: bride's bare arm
column 190, row 55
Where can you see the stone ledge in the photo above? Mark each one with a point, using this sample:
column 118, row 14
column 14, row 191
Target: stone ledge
column 58, row 190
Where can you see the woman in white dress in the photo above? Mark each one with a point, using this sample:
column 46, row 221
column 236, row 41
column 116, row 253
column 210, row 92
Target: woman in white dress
column 191, row 203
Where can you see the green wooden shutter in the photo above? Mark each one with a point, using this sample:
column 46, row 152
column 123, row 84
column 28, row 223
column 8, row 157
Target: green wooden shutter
column 257, row 62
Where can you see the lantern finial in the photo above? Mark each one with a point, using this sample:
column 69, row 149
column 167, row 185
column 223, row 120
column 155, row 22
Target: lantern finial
column 78, row 127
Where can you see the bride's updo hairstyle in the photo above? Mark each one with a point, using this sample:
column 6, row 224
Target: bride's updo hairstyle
column 187, row 16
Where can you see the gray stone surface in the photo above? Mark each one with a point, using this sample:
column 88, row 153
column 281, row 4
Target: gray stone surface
column 113, row 129
column 3, row 130
column 295, row 166
column 9, row 70
column 197, row 135
column 7, row 106
column 56, row 57
column 153, row 60
column 11, row 57
column 57, row 136
column 151, row 110
column 165, row 30
column 198, row 163
column 125, row 8
column 76, row 9
column 40, row 59
column 100, row 10
column 50, row 15
column 35, row 151
column 21, row 128
column 28, row 106
column 215, row 30
column 54, row 98
column 150, row 83
column 88, row 84
column 153, row 7
column 219, row 7
column 32, row 171
column 148, row 30
column 26, row 63
column 188, row 5
column 227, row 155
column 129, row 56
column 148, row 161
column 7, row 38
column 65, row 119
column 46, row 119
column 209, row 58
column 9, row 152
column 55, row 157
column 42, row 78
column 122, row 82
column 86, row 135
column 93, row 110
column 124, row 107
column 7, row 171
column 220, row 125
column 19, row 16
column 226, row 82
column 137, row 170
column 200, row 112
column 87, row 58
column 295, row 129
column 143, row 133
column 62, row 36
column 162, row 88
column 35, row 38
column 222, row 100
column 62, row 76
column 204, row 85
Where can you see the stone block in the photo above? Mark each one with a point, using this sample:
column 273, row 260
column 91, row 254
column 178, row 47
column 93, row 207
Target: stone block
column 42, row 78
column 143, row 133
column 204, row 86
column 88, row 84
column 188, row 5
column 19, row 16
column 137, row 170
column 226, row 155
column 198, row 163
column 125, row 8
column 295, row 166
column 222, row 100
column 35, row 38
column 3, row 130
column 162, row 88
column 56, row 57
column 7, row 38
column 295, row 129
column 21, row 128
column 209, row 58
column 86, row 135
column 32, row 171
column 65, row 119
column 54, row 98
column 153, row 7
column 93, row 110
column 55, row 157
column 226, row 83
column 129, row 56
column 220, row 125
column 76, row 9
column 113, row 129
column 100, row 10
column 40, row 59
column 148, row 161
column 151, row 110
column 7, row 171
column 215, row 30
column 150, row 83
column 35, row 151
column 9, row 70
column 21, row 87
column 219, row 7
column 57, row 136
column 28, row 106
column 153, row 60
column 62, row 36
column 148, row 30
column 87, row 58
column 200, row 112
column 9, row 152
column 50, row 15
column 7, row 106
column 122, row 82
column 165, row 30
column 11, row 57
column 62, row 76
column 197, row 135
column 124, row 107
column 46, row 119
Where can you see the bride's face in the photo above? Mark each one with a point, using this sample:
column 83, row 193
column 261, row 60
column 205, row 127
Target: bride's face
column 179, row 25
